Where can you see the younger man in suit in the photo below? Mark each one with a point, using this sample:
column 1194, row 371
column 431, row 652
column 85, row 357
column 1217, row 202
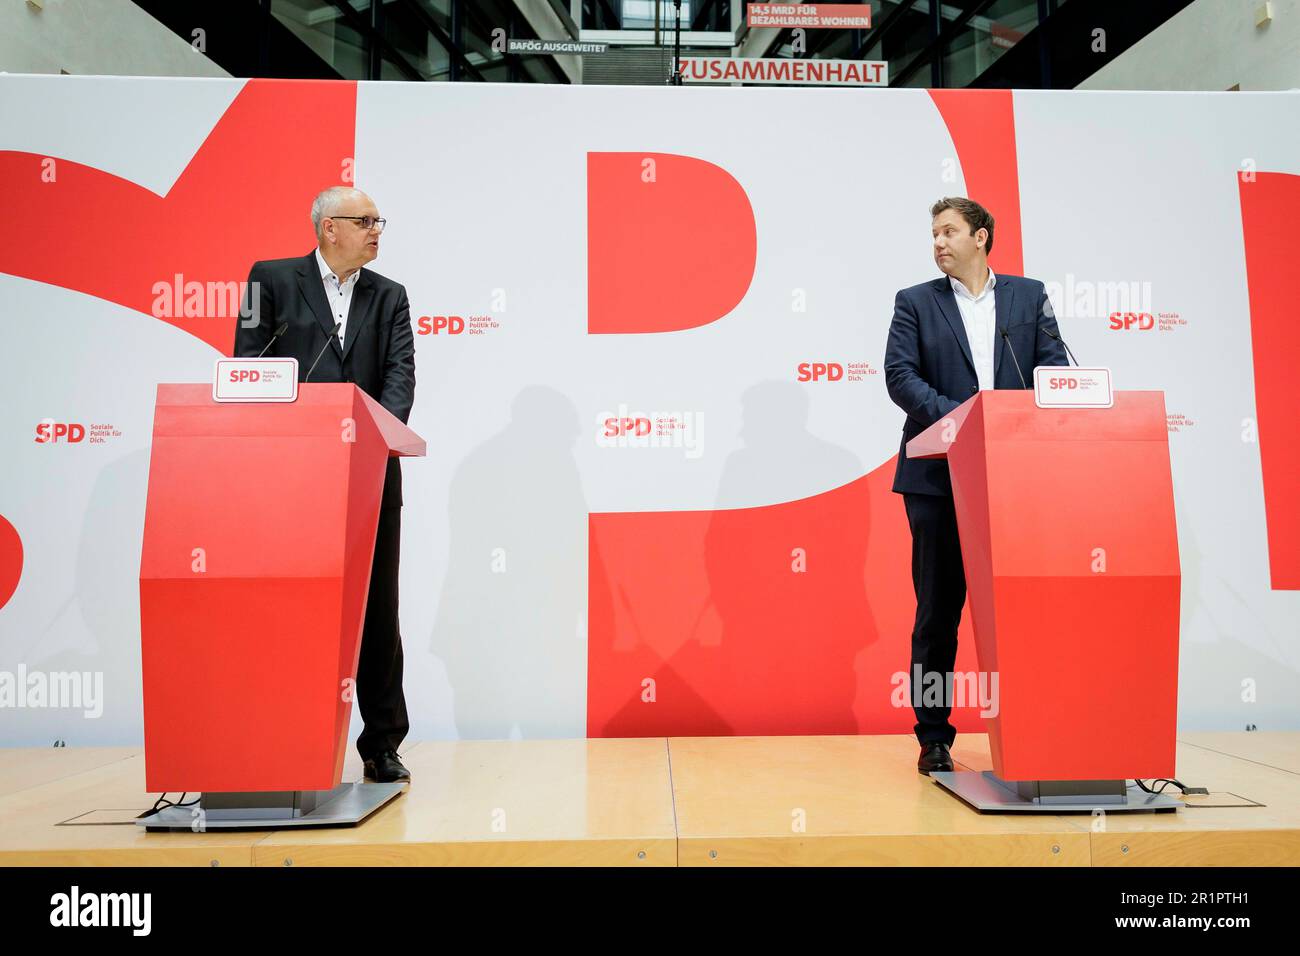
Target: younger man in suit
column 950, row 338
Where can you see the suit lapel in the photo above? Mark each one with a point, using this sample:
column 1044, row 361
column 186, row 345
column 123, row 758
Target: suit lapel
column 313, row 290
column 948, row 306
column 1003, row 293
column 359, row 311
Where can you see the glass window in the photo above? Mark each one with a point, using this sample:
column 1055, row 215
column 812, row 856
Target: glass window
column 985, row 38
column 706, row 15
column 477, row 40
column 324, row 28
column 640, row 14
column 903, row 42
column 409, row 35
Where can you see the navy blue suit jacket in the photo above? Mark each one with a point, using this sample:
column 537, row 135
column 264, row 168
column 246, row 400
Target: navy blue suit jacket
column 929, row 370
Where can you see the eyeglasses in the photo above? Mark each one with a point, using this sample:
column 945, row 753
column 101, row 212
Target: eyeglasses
column 367, row 222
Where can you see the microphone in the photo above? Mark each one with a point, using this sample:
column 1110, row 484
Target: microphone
column 328, row 339
column 284, row 327
column 1006, row 340
column 1062, row 341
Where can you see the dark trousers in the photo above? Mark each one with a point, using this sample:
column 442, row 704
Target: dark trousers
column 940, row 585
column 379, row 669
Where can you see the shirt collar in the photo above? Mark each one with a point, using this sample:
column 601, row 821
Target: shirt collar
column 327, row 273
column 960, row 288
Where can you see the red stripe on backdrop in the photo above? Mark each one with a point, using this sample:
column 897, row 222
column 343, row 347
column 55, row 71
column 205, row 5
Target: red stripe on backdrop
column 245, row 195
column 982, row 125
column 1268, row 208
column 708, row 605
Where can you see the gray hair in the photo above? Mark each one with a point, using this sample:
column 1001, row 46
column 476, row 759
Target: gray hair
column 328, row 201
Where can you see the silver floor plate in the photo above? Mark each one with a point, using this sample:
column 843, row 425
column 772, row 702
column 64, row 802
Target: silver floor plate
column 352, row 805
column 985, row 793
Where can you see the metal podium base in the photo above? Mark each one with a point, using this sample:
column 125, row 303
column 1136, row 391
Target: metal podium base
column 346, row 805
column 988, row 793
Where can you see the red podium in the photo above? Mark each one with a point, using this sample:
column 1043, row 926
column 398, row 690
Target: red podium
column 258, row 539
column 1069, row 545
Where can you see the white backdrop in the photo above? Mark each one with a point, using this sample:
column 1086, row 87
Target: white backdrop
column 485, row 188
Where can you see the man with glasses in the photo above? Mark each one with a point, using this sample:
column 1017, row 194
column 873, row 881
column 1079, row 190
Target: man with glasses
column 354, row 325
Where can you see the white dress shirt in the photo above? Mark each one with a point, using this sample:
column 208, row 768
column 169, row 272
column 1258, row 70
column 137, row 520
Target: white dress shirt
column 979, row 315
column 338, row 294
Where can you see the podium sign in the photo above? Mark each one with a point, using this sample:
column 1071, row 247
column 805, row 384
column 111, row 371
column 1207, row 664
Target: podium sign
column 1057, row 386
column 255, row 380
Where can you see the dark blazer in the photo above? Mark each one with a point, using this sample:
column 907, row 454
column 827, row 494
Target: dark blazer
column 378, row 351
column 929, row 370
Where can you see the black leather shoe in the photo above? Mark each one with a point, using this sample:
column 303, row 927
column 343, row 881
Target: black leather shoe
column 934, row 756
column 386, row 768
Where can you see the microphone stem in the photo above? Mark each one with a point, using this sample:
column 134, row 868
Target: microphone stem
column 1006, row 343
column 321, row 353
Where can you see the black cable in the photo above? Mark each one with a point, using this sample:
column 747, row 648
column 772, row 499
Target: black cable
column 162, row 803
column 1165, row 783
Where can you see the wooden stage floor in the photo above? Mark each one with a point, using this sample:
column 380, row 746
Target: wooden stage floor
column 682, row 801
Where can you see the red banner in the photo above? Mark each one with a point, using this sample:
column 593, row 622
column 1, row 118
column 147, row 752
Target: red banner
column 817, row 16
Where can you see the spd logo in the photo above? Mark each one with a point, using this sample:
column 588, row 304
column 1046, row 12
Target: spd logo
column 820, row 371
column 1122, row 321
column 432, row 325
column 626, row 426
column 48, row 432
